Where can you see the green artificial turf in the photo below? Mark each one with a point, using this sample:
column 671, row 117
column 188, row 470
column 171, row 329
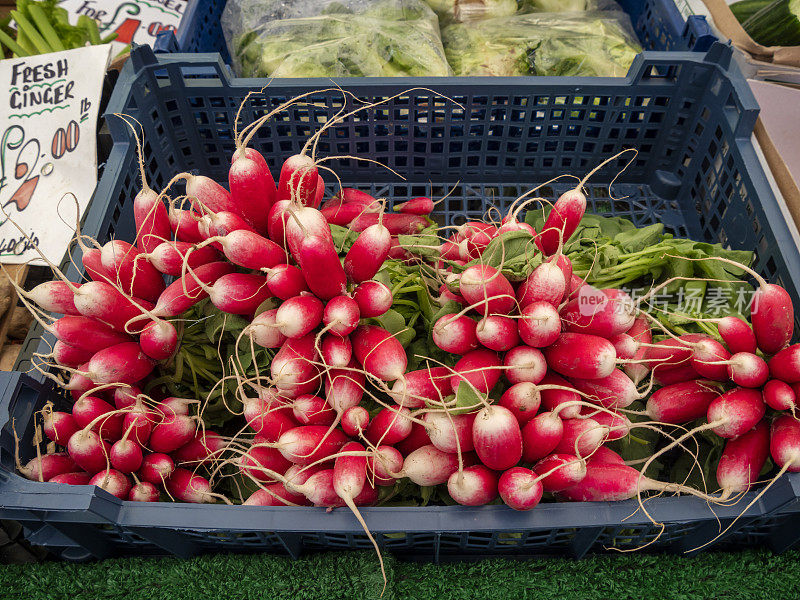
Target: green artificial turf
column 751, row 574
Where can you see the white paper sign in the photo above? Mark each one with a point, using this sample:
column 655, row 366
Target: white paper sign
column 137, row 21
column 48, row 148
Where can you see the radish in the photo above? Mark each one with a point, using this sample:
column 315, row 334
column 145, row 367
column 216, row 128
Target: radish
column 211, row 195
column 200, row 450
column 429, row 466
column 497, row 437
column 299, row 316
column 396, row 224
column 614, row 391
column 309, row 443
column 605, row 456
column 152, row 221
column 416, row 439
column 523, row 400
column 184, row 293
column 54, row 296
column 497, row 333
column 777, row 395
column 709, row 360
column 784, row 443
column 381, row 355
column 772, row 316
column 617, row 426
column 264, row 331
column 126, row 396
column 92, row 261
column 450, row 433
column 97, row 414
column 455, row 334
column 416, row 387
column 681, row 403
column 384, row 461
column 519, row 488
column 172, row 433
column 612, row 483
column 106, row 303
column 524, row 364
column 476, row 236
column 136, row 278
column 126, row 455
column 267, row 415
column 355, row 420
column 562, row 220
column 735, row 412
column 344, row 387
column 785, row 365
column 260, row 461
column 553, row 397
column 605, row 313
column 174, row 406
column 185, row 225
column 473, row 486
column 88, row 450
column 546, row 283
column 293, row 370
column 252, row 187
column 86, row 333
column 373, row 299
column 59, row 426
column 581, row 437
column 185, row 486
column 112, row 481
column 479, row 368
column 743, row 459
column 159, row 340
column 168, row 257
column 415, row 206
column 275, row 494
column 541, row 435
column 69, row 356
column 487, row 288
column 76, row 478
column 341, row 315
column 737, row 335
column 144, row 491
column 121, row 363
column 79, row 385
column 312, row 410
column 156, row 468
column 640, row 332
column 748, row 370
column 250, row 250
column 320, row 265
column 342, row 214
column 625, row 346
column 389, row 426
column 47, row 466
column 669, row 375
column 368, row 253
column 298, row 180
column 276, row 221
column 581, row 355
column 560, row 471
column 285, row 281
column 239, row 293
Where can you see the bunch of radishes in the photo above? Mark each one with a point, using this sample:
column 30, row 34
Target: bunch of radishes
column 569, row 357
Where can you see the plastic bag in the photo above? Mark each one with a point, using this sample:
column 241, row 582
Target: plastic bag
column 464, row 11
column 582, row 44
column 326, row 38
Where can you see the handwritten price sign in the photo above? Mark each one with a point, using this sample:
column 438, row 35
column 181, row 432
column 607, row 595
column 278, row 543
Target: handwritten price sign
column 137, row 21
column 47, row 148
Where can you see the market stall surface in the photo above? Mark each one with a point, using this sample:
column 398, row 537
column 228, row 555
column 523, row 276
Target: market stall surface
column 729, row 576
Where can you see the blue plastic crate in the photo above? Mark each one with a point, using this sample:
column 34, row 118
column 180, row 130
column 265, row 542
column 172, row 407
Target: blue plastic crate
column 658, row 23
column 689, row 115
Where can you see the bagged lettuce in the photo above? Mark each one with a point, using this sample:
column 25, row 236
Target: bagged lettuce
column 463, row 11
column 326, row 38
column 561, row 44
